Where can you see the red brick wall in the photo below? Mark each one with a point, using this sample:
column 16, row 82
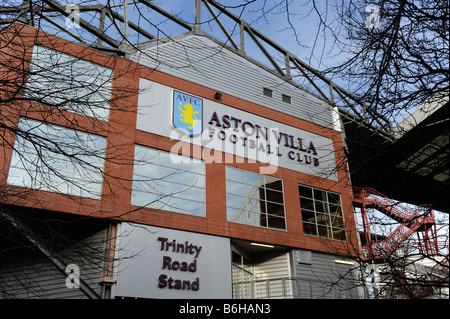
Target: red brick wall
column 122, row 136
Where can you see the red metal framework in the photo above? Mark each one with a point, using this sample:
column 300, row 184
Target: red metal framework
column 419, row 220
column 422, row 284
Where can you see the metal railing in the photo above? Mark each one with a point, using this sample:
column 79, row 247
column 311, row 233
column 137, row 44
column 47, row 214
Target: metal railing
column 289, row 288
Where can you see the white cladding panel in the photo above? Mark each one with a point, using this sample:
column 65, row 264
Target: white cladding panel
column 273, row 267
column 320, row 277
column 290, row 147
column 201, row 60
column 158, row 262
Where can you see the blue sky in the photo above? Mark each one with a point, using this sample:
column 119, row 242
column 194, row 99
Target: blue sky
column 299, row 34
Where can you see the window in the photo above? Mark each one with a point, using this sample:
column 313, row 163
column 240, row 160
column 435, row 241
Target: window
column 286, row 98
column 267, row 92
column 66, row 82
column 167, row 181
column 254, row 199
column 321, row 213
column 57, row 159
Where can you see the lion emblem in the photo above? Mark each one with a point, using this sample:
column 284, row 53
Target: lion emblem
column 188, row 115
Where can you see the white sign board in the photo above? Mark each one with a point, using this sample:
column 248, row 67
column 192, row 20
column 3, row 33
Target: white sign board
column 164, row 263
column 180, row 116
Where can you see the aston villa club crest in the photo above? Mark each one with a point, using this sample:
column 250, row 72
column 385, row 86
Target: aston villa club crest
column 187, row 113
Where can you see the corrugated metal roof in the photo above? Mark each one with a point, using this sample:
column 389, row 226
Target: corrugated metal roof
column 201, row 60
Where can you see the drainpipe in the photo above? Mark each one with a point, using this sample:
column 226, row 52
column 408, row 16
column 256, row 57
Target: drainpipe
column 108, row 280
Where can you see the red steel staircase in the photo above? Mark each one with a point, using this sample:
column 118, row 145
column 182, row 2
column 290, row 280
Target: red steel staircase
column 420, row 220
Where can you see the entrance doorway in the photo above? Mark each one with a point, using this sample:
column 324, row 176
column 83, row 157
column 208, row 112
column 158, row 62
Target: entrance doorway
column 261, row 270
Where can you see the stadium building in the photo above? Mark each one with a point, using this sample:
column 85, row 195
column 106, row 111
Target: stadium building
column 203, row 175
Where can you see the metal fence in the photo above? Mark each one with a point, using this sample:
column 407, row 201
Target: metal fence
column 290, row 288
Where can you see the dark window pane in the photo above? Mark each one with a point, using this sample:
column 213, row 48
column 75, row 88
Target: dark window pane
column 321, row 207
column 335, row 210
column 267, row 92
column 307, row 203
column 273, row 183
column 274, row 196
column 286, row 98
column 305, row 191
column 309, row 229
column 319, row 195
column 337, row 222
column 339, row 234
column 276, row 222
column 308, row 216
column 324, row 231
column 323, row 219
column 334, row 198
column 323, row 210
column 275, row 209
column 263, row 220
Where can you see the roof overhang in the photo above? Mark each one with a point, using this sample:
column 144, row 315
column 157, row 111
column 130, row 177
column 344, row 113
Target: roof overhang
column 413, row 167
